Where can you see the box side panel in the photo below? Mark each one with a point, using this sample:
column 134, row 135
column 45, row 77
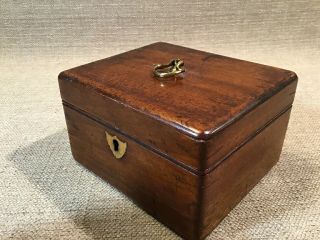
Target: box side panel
column 180, row 148
column 231, row 137
column 230, row 181
column 164, row 190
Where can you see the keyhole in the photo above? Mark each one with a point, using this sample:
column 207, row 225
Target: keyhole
column 115, row 145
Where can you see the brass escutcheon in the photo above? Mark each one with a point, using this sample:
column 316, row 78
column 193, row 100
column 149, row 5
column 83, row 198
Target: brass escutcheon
column 117, row 147
column 173, row 68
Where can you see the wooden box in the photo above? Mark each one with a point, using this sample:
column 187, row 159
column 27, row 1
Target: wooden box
column 186, row 148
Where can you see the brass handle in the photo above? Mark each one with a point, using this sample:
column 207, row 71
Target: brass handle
column 117, row 147
column 173, row 68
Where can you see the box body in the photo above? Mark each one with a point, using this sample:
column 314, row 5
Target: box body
column 195, row 145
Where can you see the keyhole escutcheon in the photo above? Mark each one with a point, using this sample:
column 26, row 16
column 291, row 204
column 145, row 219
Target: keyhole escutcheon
column 117, row 147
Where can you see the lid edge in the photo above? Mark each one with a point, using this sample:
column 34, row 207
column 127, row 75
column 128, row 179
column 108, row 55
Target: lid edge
column 196, row 135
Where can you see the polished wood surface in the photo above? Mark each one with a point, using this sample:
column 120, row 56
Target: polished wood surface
column 141, row 127
column 189, row 204
column 227, row 140
column 213, row 91
column 214, row 94
column 231, row 180
column 167, row 192
column 196, row 144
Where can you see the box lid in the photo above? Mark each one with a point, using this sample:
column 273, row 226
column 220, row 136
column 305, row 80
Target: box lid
column 213, row 93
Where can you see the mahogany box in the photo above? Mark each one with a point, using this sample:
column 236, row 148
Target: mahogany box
column 185, row 139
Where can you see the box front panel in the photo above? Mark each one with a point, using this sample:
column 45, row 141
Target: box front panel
column 163, row 189
column 181, row 148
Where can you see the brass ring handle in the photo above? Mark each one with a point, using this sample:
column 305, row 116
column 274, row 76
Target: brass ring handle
column 173, row 68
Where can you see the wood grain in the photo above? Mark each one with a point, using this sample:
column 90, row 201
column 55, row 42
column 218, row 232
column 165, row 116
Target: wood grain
column 189, row 204
column 164, row 190
column 214, row 90
column 231, row 180
column 215, row 93
column 196, row 144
